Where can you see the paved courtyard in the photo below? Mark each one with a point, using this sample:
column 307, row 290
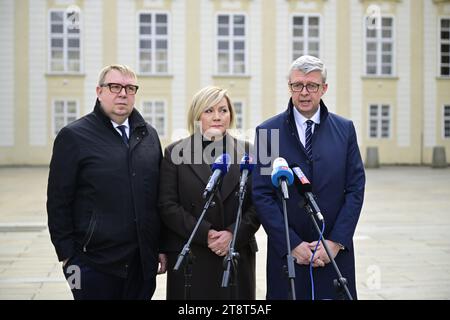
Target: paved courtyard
column 402, row 240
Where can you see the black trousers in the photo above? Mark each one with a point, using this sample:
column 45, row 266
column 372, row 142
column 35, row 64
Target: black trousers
column 88, row 283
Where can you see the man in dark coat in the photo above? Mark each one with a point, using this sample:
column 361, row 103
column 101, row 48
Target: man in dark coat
column 102, row 196
column 324, row 145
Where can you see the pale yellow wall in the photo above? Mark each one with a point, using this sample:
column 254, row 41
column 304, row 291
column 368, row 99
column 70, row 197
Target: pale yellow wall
column 384, row 90
column 443, row 98
column 307, row 6
column 65, row 87
column 238, row 89
column 269, row 79
column 387, row 6
column 141, row 5
column 19, row 152
column 416, row 81
column 344, row 64
column 380, row 91
column 192, row 44
column 59, row 4
column 244, row 5
column 238, row 86
column 157, row 88
column 109, row 32
column 375, row 90
column 160, row 87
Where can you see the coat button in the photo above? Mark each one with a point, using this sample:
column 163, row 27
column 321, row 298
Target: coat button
column 212, row 204
column 134, row 174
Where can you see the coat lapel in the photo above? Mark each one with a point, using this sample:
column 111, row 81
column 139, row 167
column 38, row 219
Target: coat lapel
column 192, row 157
column 203, row 170
column 138, row 129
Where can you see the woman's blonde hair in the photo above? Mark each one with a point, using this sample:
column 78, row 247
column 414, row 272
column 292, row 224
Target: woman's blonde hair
column 204, row 99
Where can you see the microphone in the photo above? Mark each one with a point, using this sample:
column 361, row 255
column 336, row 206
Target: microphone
column 304, row 187
column 219, row 167
column 246, row 168
column 282, row 176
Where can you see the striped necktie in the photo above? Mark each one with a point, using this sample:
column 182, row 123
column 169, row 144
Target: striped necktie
column 308, row 138
column 124, row 134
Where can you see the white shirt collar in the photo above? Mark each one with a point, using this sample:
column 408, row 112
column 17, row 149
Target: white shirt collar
column 300, row 123
column 125, row 123
column 300, row 119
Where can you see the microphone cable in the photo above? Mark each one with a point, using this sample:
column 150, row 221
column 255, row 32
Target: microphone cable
column 312, row 258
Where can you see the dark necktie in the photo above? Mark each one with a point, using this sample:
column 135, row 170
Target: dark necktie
column 124, row 134
column 308, row 138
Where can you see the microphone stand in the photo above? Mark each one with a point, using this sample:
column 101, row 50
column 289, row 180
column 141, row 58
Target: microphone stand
column 341, row 283
column 231, row 260
column 187, row 249
column 289, row 258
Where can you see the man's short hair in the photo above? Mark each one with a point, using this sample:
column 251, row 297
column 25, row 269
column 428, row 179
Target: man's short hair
column 307, row 64
column 123, row 69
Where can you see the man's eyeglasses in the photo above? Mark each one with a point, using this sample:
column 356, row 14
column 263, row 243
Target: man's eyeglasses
column 117, row 88
column 310, row 87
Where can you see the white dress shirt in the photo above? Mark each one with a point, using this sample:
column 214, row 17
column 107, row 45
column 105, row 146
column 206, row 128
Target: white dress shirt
column 127, row 127
column 300, row 122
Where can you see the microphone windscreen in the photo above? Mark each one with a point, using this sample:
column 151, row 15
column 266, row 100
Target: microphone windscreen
column 247, row 163
column 222, row 163
column 301, row 181
column 281, row 170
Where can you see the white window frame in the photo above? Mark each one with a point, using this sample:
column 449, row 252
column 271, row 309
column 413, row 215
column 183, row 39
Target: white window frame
column 153, row 38
column 440, row 42
column 230, row 38
column 305, row 37
column 240, row 116
column 444, row 119
column 65, row 113
column 380, row 118
column 379, row 41
column 164, row 115
column 66, row 36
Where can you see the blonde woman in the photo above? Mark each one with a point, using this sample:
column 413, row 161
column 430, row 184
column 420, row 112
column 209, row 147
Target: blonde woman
column 185, row 170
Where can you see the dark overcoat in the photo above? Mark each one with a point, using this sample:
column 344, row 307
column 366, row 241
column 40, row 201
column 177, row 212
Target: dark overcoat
column 102, row 195
column 181, row 203
column 338, row 179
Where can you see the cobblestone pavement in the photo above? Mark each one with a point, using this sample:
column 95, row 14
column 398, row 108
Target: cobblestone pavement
column 402, row 243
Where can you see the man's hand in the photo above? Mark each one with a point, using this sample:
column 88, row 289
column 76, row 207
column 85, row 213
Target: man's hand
column 162, row 263
column 302, row 253
column 219, row 241
column 322, row 254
